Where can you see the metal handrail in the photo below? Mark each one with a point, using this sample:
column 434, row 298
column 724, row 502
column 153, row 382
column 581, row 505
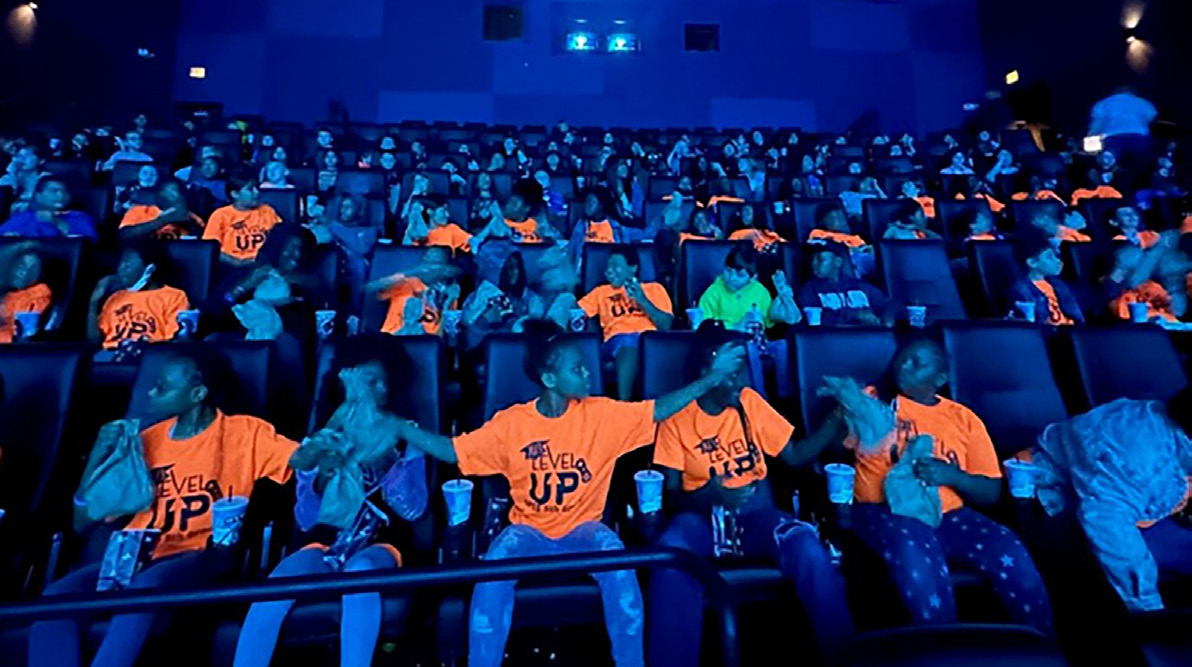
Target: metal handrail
column 327, row 586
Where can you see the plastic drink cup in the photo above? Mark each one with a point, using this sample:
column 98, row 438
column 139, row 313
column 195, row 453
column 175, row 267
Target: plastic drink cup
column 695, row 315
column 26, row 325
column 227, row 518
column 917, row 316
column 815, row 315
column 188, row 324
column 841, row 482
column 1021, row 476
column 577, row 319
column 458, row 495
column 1027, row 308
column 649, row 490
column 324, row 323
column 1139, row 312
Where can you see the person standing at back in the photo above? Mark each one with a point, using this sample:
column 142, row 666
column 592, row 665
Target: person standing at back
column 1124, row 119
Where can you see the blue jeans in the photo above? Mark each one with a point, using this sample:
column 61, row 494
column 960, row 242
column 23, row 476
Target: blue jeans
column 56, row 643
column 491, row 614
column 776, row 349
column 360, row 623
column 1170, row 544
column 918, row 557
column 676, row 600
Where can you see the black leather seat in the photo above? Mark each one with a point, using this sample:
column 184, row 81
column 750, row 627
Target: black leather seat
column 878, row 214
column 700, row 262
column 954, row 217
column 595, row 257
column 1001, row 370
column 285, row 202
column 1127, row 361
column 959, row 645
column 61, row 262
column 863, row 354
column 190, row 266
column 668, row 363
column 918, row 273
column 804, row 210
column 1022, row 212
column 37, row 384
column 387, row 260
column 247, row 392
column 360, row 182
column 997, row 270
column 505, row 380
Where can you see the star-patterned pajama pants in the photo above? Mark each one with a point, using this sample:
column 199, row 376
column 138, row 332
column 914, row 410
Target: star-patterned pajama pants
column 919, row 557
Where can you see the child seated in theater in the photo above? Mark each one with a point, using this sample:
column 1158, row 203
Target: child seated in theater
column 961, row 470
column 911, row 224
column 501, row 306
column 168, row 219
column 358, row 448
column 1043, row 188
column 831, row 224
column 201, row 455
column 844, row 299
column 983, row 227
column 49, row 215
column 558, row 453
column 140, row 191
column 853, row 199
column 430, row 223
column 275, row 176
column 598, row 224
column 701, row 225
column 756, row 228
column 739, row 301
column 1156, row 277
column 132, row 305
column 624, row 308
column 1052, row 300
column 417, row 299
column 242, row 227
column 715, row 452
column 1129, row 226
column 21, row 289
column 345, row 225
column 914, row 190
column 515, row 221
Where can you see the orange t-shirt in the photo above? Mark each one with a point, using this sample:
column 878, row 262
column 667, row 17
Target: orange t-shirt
column 1100, row 192
column 762, row 238
column 994, row 205
column 139, row 215
column 850, row 240
column 1147, row 238
column 621, row 315
column 398, row 295
column 1041, row 195
column 701, row 445
column 1068, row 235
column 559, row 469
column 684, row 237
column 524, row 232
column 225, row 459
column 987, row 236
column 599, row 232
column 1055, row 314
column 928, row 204
column 241, row 233
column 149, row 314
column 1151, row 293
column 1186, row 227
column 450, row 235
column 959, row 436
column 32, row 299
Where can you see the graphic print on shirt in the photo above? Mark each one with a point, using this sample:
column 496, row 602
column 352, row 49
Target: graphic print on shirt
column 248, row 239
column 553, row 476
column 736, row 459
column 178, row 501
column 853, row 299
column 133, row 324
column 907, row 431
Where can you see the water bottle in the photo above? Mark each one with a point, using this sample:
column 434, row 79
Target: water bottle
column 795, row 504
column 725, row 535
column 755, row 326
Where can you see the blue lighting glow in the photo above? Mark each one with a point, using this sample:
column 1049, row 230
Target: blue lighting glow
column 582, row 41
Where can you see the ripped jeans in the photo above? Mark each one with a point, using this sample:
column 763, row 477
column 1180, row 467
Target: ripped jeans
column 676, row 599
column 491, row 614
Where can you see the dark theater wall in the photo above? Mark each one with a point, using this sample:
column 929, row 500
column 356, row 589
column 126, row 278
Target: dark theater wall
column 819, row 64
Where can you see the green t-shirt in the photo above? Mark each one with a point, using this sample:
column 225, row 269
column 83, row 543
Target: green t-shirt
column 718, row 303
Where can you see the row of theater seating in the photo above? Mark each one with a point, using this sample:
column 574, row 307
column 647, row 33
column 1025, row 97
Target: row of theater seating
column 1000, row 370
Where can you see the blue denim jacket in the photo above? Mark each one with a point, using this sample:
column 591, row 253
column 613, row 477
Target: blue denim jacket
column 1121, row 463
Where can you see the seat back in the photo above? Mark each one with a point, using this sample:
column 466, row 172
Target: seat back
column 1001, row 370
column 1022, row 212
column 505, row 379
column 246, row 391
column 954, row 218
column 190, row 266
column 803, row 211
column 285, row 202
column 388, row 259
column 668, row 361
column 918, row 273
column 360, row 182
column 997, row 270
column 414, row 394
column 878, row 214
column 967, row 645
column 863, row 354
column 1127, row 361
column 38, row 384
column 596, row 257
column 125, row 173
